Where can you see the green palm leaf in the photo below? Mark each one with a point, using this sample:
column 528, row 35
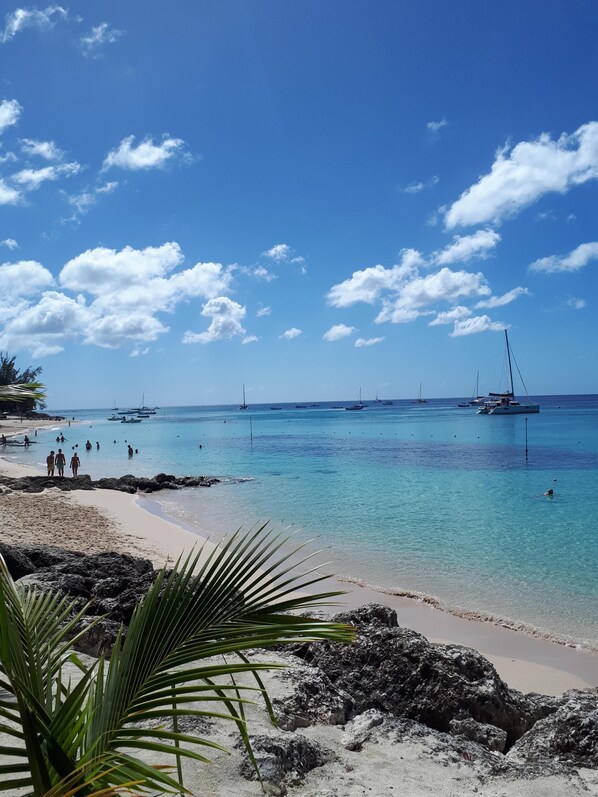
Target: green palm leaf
column 80, row 737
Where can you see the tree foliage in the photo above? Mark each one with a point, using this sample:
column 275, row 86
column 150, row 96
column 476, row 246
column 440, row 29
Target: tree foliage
column 10, row 375
column 184, row 654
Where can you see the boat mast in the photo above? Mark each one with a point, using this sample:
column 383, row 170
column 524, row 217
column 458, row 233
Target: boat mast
column 510, row 369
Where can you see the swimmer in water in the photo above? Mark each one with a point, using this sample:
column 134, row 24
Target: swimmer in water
column 549, row 493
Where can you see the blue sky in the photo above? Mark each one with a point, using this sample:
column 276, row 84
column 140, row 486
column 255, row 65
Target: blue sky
column 304, row 197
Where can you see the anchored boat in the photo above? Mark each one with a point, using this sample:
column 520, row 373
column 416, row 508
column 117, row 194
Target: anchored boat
column 506, row 403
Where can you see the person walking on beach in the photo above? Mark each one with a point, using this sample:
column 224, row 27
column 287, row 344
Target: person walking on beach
column 50, row 463
column 75, row 462
column 60, row 461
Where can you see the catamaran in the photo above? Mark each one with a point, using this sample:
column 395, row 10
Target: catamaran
column 506, row 403
column 359, row 406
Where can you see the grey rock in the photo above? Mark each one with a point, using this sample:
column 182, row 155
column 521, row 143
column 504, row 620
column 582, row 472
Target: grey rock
column 284, row 758
column 315, row 700
column 126, row 484
column 487, row 735
column 399, row 672
column 568, row 736
column 359, row 729
column 17, row 561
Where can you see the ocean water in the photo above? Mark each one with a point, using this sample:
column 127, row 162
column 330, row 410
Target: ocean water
column 430, row 499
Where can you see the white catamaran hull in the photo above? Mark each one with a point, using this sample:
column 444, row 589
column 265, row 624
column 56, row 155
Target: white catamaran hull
column 514, row 408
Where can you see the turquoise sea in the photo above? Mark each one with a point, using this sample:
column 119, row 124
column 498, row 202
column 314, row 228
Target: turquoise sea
column 428, row 498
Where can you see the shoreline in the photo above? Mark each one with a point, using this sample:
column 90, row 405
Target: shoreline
column 525, row 662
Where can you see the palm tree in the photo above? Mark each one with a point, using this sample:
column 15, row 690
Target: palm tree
column 22, row 392
column 182, row 655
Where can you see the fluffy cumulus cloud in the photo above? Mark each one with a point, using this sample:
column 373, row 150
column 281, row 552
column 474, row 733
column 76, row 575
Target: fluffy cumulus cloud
column 337, row 332
column 9, row 243
column 110, row 298
column 10, row 110
column 226, row 321
column 450, row 316
column 24, row 278
column 291, row 333
column 94, row 42
column 361, row 342
column 145, row 155
column 278, row 252
column 573, row 261
column 370, row 283
column 521, row 175
column 45, row 327
column 22, row 18
column 263, row 311
column 415, row 296
column 250, row 339
column 500, row 301
column 466, row 247
column 475, row 325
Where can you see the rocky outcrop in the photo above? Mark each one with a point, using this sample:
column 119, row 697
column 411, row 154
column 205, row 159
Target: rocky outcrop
column 446, row 687
column 568, row 736
column 284, row 759
column 125, row 484
column 111, row 583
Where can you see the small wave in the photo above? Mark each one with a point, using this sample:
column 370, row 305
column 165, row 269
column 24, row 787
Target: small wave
column 235, row 479
column 471, row 614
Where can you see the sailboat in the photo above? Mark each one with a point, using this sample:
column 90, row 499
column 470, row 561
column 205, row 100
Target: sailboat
column 419, row 399
column 506, row 403
column 476, row 399
column 377, row 400
column 244, row 406
column 359, row 406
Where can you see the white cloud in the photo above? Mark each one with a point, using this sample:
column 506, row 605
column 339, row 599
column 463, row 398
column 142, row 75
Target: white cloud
column 368, row 285
column 361, row 342
column 472, row 326
column 279, row 253
column 106, row 270
column 576, row 259
column 291, row 333
column 10, row 157
column 48, row 150
column 263, row 311
column 44, row 328
column 85, row 200
column 522, row 175
column 139, row 352
column 226, row 318
column 337, row 332
column 31, row 179
column 464, row 247
column 577, row 304
column 500, row 301
column 449, row 316
column 110, row 331
column 10, row 110
column 8, row 195
column 98, row 37
column 250, row 339
column 23, row 278
column 9, row 243
column 22, row 18
column 436, row 127
column 420, row 292
column 145, row 155
column 418, row 187
column 263, row 274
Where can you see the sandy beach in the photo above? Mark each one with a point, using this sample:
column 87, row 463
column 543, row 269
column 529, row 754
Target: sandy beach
column 101, row 520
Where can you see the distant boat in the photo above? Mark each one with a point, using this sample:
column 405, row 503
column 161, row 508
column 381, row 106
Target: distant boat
column 388, row 403
column 419, row 399
column 476, row 399
column 114, row 418
column 124, row 419
column 377, row 400
column 300, row 406
column 359, row 406
column 275, row 408
column 243, row 406
column 506, row 403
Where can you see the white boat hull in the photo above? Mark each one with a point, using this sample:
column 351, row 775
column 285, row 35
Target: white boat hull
column 514, row 409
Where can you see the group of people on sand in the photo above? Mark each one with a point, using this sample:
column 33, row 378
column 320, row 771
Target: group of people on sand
column 58, row 462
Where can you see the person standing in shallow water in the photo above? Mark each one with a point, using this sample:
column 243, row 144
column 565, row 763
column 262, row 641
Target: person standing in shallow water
column 50, row 463
column 60, row 461
column 75, row 462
